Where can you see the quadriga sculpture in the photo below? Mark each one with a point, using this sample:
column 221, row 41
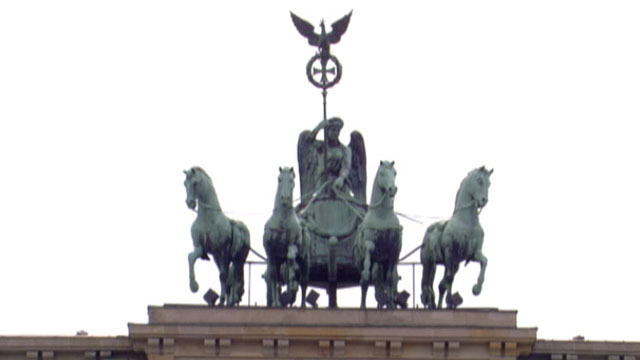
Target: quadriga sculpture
column 213, row 233
column 455, row 240
column 379, row 239
column 286, row 245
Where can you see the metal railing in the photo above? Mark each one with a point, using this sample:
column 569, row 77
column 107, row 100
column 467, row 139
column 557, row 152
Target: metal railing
column 412, row 264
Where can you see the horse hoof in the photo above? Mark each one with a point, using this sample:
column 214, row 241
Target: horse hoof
column 194, row 286
column 477, row 289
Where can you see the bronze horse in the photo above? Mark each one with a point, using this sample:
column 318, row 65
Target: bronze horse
column 287, row 247
column 379, row 239
column 213, row 233
column 456, row 240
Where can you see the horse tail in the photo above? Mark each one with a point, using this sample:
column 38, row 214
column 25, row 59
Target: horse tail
column 240, row 241
column 432, row 244
column 240, row 245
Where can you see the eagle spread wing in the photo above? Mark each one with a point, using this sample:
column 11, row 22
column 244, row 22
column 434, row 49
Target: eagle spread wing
column 339, row 27
column 306, row 29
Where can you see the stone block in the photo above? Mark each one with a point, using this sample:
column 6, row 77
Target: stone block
column 395, row 348
column 510, row 348
column 153, row 345
column 224, row 347
column 339, row 347
column 168, row 345
column 268, row 347
column 282, row 347
column 380, row 348
column 210, row 346
column 324, row 348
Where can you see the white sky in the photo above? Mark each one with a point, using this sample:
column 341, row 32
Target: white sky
column 103, row 104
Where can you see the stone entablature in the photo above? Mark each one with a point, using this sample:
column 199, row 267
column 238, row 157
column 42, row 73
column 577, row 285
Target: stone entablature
column 67, row 348
column 581, row 350
column 184, row 332
column 190, row 332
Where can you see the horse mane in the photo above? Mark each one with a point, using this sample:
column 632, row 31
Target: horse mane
column 470, row 175
column 201, row 171
column 375, row 191
column 455, row 205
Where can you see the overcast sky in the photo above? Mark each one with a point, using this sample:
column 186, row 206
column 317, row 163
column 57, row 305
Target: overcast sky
column 104, row 104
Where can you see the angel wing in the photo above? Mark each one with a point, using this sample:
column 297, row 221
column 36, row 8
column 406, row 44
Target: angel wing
column 358, row 173
column 306, row 29
column 307, row 167
column 338, row 28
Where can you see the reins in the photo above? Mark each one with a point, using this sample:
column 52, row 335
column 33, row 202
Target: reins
column 468, row 205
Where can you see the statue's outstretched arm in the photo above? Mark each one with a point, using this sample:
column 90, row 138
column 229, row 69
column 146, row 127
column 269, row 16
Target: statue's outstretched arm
column 320, row 126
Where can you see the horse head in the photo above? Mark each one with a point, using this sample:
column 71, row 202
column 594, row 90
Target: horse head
column 286, row 183
column 194, row 184
column 384, row 185
column 474, row 190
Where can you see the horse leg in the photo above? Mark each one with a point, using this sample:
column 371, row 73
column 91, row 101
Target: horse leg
column 377, row 278
column 303, row 292
column 193, row 256
column 293, row 272
column 273, row 284
column 222, row 262
column 365, row 275
column 238, row 256
column 365, row 278
column 364, row 286
column 272, row 287
column 238, row 281
column 267, row 279
column 231, row 286
column 454, row 271
column 447, row 279
column 428, row 274
column 389, row 283
column 479, row 257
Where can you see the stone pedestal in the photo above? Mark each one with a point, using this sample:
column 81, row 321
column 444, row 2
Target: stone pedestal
column 198, row 332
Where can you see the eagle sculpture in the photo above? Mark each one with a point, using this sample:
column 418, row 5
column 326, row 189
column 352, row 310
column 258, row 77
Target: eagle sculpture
column 322, row 40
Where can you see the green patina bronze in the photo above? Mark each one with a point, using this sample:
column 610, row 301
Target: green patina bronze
column 316, row 243
column 333, row 203
column 213, row 233
column 333, row 238
column 456, row 240
column 333, row 169
column 379, row 240
column 286, row 244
